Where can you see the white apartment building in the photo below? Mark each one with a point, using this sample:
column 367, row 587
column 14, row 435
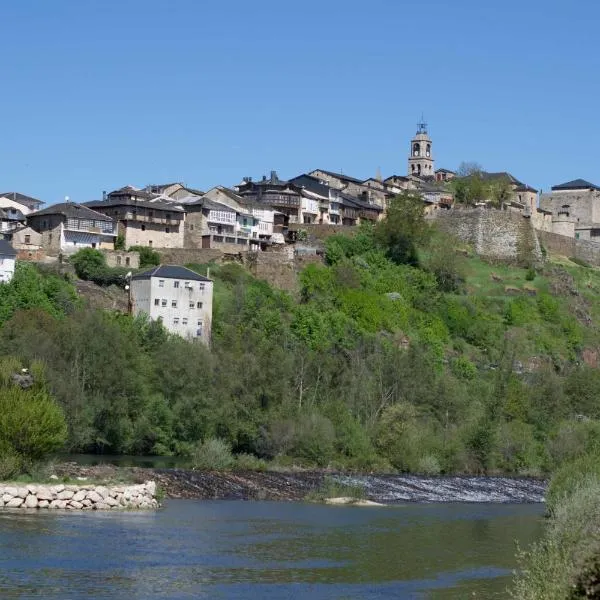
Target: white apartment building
column 8, row 257
column 178, row 296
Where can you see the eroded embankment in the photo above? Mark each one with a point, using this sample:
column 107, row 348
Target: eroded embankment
column 251, row 485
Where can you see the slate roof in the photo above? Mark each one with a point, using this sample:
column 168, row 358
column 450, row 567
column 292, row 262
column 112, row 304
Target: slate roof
column 444, row 171
column 525, row 188
column 126, row 201
column 71, row 210
column 171, row 272
column 500, row 175
column 576, row 184
column 311, row 183
column 28, row 201
column 340, row 176
column 6, row 249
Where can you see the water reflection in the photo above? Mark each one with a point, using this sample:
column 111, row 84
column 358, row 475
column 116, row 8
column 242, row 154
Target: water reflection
column 195, row 549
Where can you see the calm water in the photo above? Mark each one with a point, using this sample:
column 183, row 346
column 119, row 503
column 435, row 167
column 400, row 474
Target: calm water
column 220, row 549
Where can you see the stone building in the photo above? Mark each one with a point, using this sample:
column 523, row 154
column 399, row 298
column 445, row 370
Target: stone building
column 27, row 242
column 420, row 160
column 68, row 227
column 576, row 202
column 179, row 297
column 143, row 218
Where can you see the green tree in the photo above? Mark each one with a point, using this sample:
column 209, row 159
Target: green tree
column 403, row 229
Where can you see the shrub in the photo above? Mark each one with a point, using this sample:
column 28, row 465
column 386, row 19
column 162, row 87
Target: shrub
column 148, row 257
column 214, row 454
column 334, row 487
column 314, row 439
column 11, row 463
column 90, row 265
column 530, row 275
column 31, row 423
column 249, row 462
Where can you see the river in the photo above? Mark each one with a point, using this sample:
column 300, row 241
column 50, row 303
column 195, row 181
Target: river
column 266, row 550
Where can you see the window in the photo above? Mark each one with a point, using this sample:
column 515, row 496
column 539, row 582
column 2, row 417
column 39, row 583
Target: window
column 191, row 227
column 199, row 304
column 156, row 301
column 127, row 260
column 184, row 321
column 167, row 230
column 175, row 320
column 150, row 243
column 176, row 284
column 428, row 150
column 201, row 287
column 44, row 224
column 199, row 330
column 118, row 260
column 143, row 228
column 416, row 149
column 168, row 216
column 161, row 283
column 193, row 305
column 187, row 285
column 173, row 303
column 163, row 302
column 28, row 239
column 49, row 238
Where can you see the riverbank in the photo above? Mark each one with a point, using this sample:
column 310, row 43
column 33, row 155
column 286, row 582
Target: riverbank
column 297, row 485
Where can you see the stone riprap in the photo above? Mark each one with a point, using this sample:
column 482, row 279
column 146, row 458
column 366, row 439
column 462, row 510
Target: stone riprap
column 79, row 497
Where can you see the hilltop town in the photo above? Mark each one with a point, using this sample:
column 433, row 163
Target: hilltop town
column 495, row 211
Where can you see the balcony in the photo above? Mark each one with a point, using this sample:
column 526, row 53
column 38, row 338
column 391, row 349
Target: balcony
column 156, row 220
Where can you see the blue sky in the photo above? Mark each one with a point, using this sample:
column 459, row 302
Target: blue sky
column 97, row 94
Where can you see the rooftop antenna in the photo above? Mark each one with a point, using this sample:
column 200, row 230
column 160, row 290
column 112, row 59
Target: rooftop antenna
column 67, row 199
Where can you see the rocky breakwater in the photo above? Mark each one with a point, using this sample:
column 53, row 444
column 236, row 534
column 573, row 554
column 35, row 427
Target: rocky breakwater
column 79, row 497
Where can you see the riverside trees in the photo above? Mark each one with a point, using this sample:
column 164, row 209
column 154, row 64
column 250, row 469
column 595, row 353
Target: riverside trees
column 398, row 353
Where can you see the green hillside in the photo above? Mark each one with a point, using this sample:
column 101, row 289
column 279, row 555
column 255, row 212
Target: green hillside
column 403, row 352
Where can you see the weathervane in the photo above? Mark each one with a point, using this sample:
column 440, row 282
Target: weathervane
column 422, row 126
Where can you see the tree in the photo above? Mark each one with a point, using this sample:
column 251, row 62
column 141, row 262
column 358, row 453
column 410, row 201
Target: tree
column 148, row 257
column 500, row 191
column 469, row 186
column 403, row 229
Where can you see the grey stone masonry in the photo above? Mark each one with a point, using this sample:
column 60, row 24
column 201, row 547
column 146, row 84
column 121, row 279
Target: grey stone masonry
column 79, row 497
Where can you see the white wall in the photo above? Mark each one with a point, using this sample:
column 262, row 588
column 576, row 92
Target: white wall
column 146, row 292
column 7, row 268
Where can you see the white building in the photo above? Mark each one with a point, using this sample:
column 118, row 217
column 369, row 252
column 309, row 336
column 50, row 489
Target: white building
column 180, row 297
column 8, row 256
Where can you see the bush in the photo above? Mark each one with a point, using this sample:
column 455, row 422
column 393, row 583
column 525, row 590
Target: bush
column 249, row 462
column 31, row 423
column 11, row 463
column 566, row 479
column 90, row 265
column 564, row 565
column 148, row 257
column 333, row 487
column 530, row 275
column 214, row 454
column 314, row 439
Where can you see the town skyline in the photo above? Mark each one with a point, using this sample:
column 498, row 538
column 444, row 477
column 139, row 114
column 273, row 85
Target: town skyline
column 128, row 93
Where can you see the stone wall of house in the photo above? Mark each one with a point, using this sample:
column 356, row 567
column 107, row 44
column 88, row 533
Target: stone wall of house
column 193, row 228
column 153, row 234
column 185, row 256
column 494, row 234
column 78, row 497
column 33, row 255
column 120, row 258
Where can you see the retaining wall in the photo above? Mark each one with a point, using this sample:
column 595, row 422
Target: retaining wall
column 79, row 497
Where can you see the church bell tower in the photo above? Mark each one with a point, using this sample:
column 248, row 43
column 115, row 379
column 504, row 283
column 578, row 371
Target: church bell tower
column 420, row 159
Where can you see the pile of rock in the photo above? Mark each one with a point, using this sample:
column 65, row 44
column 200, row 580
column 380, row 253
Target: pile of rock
column 79, row 497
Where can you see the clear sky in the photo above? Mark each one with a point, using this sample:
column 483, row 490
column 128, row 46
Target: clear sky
column 97, row 94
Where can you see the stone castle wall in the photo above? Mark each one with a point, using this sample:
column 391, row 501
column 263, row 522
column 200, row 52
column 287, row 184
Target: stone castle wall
column 78, row 497
column 494, row 234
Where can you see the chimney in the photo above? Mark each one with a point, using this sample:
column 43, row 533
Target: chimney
column 264, row 178
column 274, row 176
column 104, row 195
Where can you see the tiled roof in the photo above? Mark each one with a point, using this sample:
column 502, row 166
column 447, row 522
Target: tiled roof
column 71, row 210
column 171, row 272
column 525, row 188
column 576, row 184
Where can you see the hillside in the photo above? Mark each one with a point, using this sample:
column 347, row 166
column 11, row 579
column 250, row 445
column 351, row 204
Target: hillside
column 404, row 352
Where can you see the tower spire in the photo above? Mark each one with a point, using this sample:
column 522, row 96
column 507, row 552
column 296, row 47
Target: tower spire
column 422, row 125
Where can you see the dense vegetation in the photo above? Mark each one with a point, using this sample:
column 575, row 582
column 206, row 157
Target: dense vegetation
column 402, row 352
column 565, row 564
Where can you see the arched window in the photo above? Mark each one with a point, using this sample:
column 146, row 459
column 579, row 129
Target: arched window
column 416, row 149
column 413, row 167
column 428, row 150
